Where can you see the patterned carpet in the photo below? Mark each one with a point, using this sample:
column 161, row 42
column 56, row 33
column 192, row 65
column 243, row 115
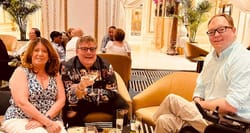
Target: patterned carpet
column 142, row 78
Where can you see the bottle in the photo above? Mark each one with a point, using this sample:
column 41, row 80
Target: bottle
column 132, row 125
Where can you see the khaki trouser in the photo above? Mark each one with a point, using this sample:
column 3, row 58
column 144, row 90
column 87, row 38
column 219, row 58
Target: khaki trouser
column 18, row 126
column 176, row 112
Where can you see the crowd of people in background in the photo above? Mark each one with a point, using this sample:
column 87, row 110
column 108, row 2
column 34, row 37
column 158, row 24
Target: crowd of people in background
column 53, row 74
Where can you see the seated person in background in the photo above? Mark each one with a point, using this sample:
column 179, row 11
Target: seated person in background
column 70, row 46
column 107, row 38
column 69, row 33
column 37, row 92
column 118, row 46
column 223, row 82
column 33, row 34
column 56, row 38
column 81, row 99
column 65, row 40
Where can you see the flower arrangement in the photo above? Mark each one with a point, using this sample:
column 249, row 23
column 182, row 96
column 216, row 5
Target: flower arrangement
column 195, row 15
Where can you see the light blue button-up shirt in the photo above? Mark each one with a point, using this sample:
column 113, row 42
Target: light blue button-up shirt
column 227, row 76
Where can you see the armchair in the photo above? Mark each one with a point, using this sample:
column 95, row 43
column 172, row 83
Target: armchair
column 148, row 101
column 121, row 64
column 9, row 41
column 195, row 54
column 104, row 117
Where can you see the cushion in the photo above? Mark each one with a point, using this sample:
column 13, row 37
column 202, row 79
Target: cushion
column 147, row 114
column 98, row 116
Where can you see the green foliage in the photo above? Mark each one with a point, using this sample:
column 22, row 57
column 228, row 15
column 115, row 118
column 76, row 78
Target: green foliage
column 195, row 15
column 19, row 10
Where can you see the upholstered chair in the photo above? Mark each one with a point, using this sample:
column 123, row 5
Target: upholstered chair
column 9, row 41
column 121, row 64
column 148, row 101
column 195, row 54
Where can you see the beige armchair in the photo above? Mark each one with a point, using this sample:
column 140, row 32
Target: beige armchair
column 9, row 41
column 195, row 54
column 147, row 102
column 104, row 117
column 121, row 64
column 192, row 52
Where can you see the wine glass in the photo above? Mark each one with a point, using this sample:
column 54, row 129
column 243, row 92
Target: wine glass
column 92, row 75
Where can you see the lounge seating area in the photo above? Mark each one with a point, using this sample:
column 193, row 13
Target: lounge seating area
column 156, row 39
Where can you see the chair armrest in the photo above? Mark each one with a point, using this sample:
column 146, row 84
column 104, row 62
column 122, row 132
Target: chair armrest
column 122, row 89
column 153, row 95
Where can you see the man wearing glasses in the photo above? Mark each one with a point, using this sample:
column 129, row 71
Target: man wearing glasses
column 90, row 84
column 223, row 82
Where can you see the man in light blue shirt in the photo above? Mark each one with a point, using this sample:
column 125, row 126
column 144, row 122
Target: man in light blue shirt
column 107, row 38
column 223, row 82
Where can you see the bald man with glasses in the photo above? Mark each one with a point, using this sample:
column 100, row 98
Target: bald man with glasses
column 224, row 82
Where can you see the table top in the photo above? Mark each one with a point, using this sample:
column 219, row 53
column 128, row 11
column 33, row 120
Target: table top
column 126, row 129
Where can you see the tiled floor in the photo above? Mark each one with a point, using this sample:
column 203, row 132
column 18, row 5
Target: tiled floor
column 148, row 57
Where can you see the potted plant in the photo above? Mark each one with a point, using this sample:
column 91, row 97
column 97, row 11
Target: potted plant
column 195, row 15
column 19, row 11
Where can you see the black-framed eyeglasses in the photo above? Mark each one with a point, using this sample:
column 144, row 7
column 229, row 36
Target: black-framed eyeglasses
column 86, row 49
column 219, row 30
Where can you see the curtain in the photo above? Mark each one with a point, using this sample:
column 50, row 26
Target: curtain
column 244, row 5
column 53, row 16
column 115, row 12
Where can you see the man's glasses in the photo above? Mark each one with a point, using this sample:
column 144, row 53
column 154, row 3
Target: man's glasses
column 86, row 49
column 219, row 30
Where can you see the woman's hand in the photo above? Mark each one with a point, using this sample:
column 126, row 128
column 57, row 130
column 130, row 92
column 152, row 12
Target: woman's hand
column 33, row 124
column 53, row 127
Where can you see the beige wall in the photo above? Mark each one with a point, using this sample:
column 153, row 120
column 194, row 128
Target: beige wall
column 81, row 13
